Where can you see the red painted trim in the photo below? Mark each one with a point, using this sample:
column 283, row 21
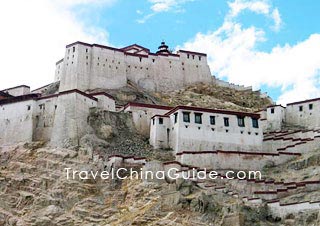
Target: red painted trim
column 264, row 192
column 237, row 152
column 194, row 53
column 133, row 45
column 276, row 105
column 136, row 54
column 135, row 104
column 228, row 112
column 304, row 101
column 15, row 87
column 32, row 96
column 102, row 93
column 6, row 95
column 160, row 116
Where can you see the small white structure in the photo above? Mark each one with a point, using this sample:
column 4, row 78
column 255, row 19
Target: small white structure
column 59, row 118
column 17, row 90
column 142, row 114
column 105, row 101
column 187, row 128
column 304, row 113
column 275, row 116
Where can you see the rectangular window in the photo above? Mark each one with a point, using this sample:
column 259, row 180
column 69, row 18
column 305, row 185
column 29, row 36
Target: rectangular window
column 226, row 122
column 186, row 116
column 241, row 121
column 198, row 118
column 300, row 108
column 175, row 117
column 160, row 121
column 255, row 123
column 29, row 107
column 153, row 121
column 272, row 110
column 310, row 106
column 73, row 49
column 212, row 120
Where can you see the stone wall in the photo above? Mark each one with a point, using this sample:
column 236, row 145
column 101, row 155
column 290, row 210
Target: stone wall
column 95, row 66
column 71, row 118
column 192, row 136
column 304, row 113
column 16, row 122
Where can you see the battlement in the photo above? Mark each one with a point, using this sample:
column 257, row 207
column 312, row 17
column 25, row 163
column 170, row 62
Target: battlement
column 93, row 66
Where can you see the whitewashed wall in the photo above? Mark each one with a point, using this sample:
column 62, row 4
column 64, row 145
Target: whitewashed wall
column 105, row 102
column 71, row 119
column 93, row 66
column 16, row 122
column 309, row 118
column 44, row 117
column 142, row 116
column 191, row 136
column 276, row 119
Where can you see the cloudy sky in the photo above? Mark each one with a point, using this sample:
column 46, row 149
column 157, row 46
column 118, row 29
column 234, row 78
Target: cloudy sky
column 272, row 45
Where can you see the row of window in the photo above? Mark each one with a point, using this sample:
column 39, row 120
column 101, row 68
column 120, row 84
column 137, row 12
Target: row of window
column 188, row 56
column 310, row 106
column 212, row 119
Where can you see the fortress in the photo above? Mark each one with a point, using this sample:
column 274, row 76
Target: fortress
column 87, row 67
column 200, row 137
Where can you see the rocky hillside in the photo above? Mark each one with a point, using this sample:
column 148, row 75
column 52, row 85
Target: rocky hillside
column 201, row 95
column 34, row 190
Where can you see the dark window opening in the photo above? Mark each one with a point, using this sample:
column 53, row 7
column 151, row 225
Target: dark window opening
column 198, row 118
column 193, row 57
column 199, row 58
column 160, row 121
column 86, row 50
column 272, row 110
column 152, row 60
column 310, row 106
column 153, row 121
column 29, row 107
column 186, row 116
column 188, row 56
column 226, row 121
column 212, row 120
column 300, row 108
column 140, row 59
column 73, row 49
column 175, row 117
column 241, row 121
column 255, row 123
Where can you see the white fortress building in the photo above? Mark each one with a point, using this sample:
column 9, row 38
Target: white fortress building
column 91, row 66
column 197, row 136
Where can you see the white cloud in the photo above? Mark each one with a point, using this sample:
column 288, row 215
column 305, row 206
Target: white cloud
column 166, row 5
column 262, row 7
column 277, row 19
column 34, row 35
column 232, row 54
column 160, row 6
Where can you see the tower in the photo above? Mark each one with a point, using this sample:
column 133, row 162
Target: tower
column 163, row 48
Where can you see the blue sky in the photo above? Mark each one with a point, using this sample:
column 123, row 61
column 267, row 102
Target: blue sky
column 271, row 44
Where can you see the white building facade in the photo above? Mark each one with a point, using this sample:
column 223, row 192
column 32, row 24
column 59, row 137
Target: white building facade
column 92, row 66
column 187, row 128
